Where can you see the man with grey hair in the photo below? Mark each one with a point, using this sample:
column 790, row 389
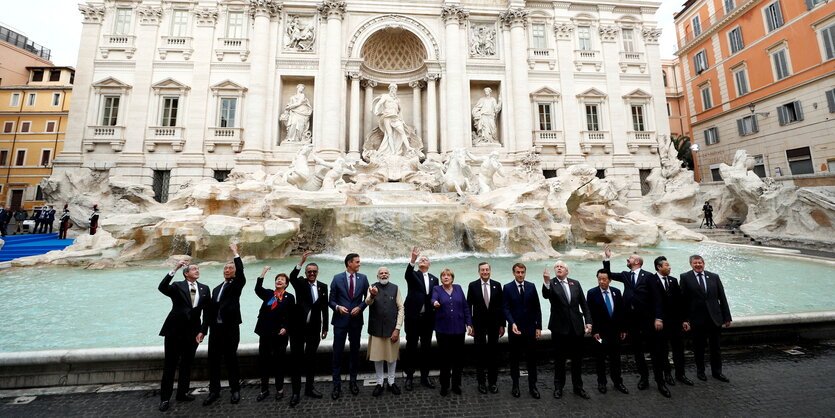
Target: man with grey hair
column 181, row 329
column 420, row 319
column 385, row 317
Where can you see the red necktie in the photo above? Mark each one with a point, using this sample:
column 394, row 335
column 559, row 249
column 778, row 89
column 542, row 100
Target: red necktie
column 351, row 289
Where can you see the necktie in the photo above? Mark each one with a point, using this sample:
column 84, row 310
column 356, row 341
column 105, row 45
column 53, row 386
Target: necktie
column 313, row 293
column 222, row 288
column 667, row 284
column 634, row 280
column 522, row 291
column 486, row 291
column 564, row 284
column 351, row 287
column 193, row 292
column 702, row 283
column 608, row 303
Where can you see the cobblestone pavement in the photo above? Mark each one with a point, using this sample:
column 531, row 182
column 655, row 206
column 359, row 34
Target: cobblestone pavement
column 765, row 381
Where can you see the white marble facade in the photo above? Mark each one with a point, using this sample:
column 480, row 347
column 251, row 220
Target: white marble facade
column 195, row 86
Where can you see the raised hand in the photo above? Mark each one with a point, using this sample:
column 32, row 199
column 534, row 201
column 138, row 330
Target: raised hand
column 415, row 254
column 607, row 252
column 305, row 255
column 180, row 264
column 234, row 247
column 266, row 269
column 374, row 290
column 546, row 275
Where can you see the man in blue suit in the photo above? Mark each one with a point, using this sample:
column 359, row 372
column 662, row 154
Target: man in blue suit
column 608, row 328
column 347, row 299
column 524, row 317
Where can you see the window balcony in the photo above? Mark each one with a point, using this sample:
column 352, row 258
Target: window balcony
column 637, row 139
column 545, row 55
column 238, row 46
column 591, row 139
column 180, row 44
column 587, row 57
column 552, row 139
column 110, row 135
column 225, row 136
column 160, row 135
column 123, row 43
column 632, row 59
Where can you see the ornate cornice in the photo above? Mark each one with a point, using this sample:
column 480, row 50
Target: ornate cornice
column 563, row 30
column 608, row 33
column 651, row 35
column 454, row 13
column 92, row 14
column 149, row 15
column 264, row 8
column 205, row 16
column 432, row 77
column 515, row 16
column 330, row 8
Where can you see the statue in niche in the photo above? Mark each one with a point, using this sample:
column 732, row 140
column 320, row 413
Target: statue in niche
column 392, row 149
column 483, row 42
column 301, row 35
column 484, row 119
column 296, row 117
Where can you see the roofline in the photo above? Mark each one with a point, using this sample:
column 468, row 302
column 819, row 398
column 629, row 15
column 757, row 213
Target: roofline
column 684, row 7
column 51, row 67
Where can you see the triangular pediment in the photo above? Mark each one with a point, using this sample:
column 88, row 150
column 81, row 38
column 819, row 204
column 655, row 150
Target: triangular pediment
column 592, row 92
column 637, row 94
column 111, row 82
column 545, row 92
column 228, row 85
column 169, row 83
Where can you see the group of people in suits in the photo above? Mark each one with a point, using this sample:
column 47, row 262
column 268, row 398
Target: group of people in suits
column 653, row 314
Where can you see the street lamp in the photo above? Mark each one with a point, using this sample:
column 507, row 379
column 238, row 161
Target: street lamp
column 752, row 107
column 694, row 149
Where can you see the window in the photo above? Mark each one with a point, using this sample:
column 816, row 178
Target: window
column 735, row 38
column 584, row 36
column 643, row 174
column 759, row 166
column 811, row 3
column 773, row 16
column 707, row 101
column 122, row 22
column 21, row 157
column 25, row 127
column 828, row 35
column 830, row 100
column 4, row 156
column 628, row 36
column 221, row 175
column 747, row 125
column 592, row 118
column 638, row 118
column 50, row 126
column 39, row 193
column 700, row 61
column 669, row 110
column 8, row 127
column 179, row 23
column 235, row 25
column 697, row 26
column 110, row 110
column 160, row 186
column 830, row 166
column 37, row 75
column 169, row 111
column 548, row 174
column 712, row 136
column 538, row 35
column 789, row 113
column 601, row 174
column 800, row 160
column 30, row 99
column 56, row 99
column 45, row 157
column 544, row 116
column 729, row 5
column 664, row 77
column 55, row 75
column 741, row 81
column 715, row 175
column 15, row 102
column 228, row 106
column 781, row 64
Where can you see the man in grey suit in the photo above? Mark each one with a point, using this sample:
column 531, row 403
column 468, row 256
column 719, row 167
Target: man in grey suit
column 706, row 310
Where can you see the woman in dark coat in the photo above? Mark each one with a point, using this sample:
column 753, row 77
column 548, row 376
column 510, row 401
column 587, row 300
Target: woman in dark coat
column 274, row 329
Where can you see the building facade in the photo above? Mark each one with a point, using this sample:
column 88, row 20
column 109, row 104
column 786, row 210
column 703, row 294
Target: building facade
column 16, row 53
column 676, row 102
column 169, row 92
column 760, row 75
column 33, row 121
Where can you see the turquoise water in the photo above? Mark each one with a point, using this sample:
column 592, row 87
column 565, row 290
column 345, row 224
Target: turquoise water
column 57, row 308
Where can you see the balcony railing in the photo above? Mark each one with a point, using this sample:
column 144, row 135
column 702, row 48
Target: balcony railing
column 711, row 21
column 545, row 55
column 591, row 139
column 125, row 43
column 232, row 46
column 631, row 56
column 638, row 139
column 111, row 135
column 176, row 44
column 584, row 56
column 171, row 135
column 634, row 59
column 550, row 139
column 224, row 136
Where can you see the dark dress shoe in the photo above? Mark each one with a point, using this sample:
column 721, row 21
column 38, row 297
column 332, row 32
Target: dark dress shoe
column 701, row 376
column 685, row 380
column 355, row 390
column 336, row 393
column 313, row 393
column 721, row 377
column 668, row 379
column 456, row 390
column 294, row 400
column 662, row 389
column 378, row 390
column 581, row 393
column 643, row 384
column 558, row 393
column 427, row 382
column 261, row 396
column 444, row 391
column 394, row 389
column 621, row 388
column 211, row 398
column 236, row 397
column 163, row 406
column 482, row 388
column 279, row 395
column 185, row 398
column 534, row 392
column 515, row 391
column 601, row 388
column 494, row 388
column 409, row 384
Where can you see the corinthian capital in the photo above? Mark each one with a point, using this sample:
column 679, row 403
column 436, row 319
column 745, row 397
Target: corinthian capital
column 331, row 8
column 267, row 8
column 149, row 15
column 563, row 30
column 454, row 13
column 515, row 16
column 92, row 14
column 608, row 33
column 205, row 16
column 651, row 35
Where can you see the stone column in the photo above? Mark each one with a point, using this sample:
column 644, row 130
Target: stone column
column 72, row 155
column 659, row 112
column 455, row 133
column 567, row 107
column 200, row 98
column 416, row 108
column 507, row 91
column 354, row 123
column 259, row 69
column 368, row 111
column 516, row 18
column 431, row 115
column 619, row 121
column 333, row 83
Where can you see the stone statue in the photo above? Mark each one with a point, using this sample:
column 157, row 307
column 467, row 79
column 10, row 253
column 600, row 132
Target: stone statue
column 338, row 168
column 299, row 173
column 483, row 42
column 490, row 166
column 392, row 148
column 387, row 109
column 484, row 119
column 296, row 117
column 301, row 36
column 457, row 174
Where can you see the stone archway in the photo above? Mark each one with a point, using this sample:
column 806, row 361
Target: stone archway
column 395, row 50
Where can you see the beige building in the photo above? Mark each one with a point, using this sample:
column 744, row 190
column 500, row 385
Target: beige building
column 16, row 53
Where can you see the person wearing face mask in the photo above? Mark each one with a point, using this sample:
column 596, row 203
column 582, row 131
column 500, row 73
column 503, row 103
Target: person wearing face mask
column 273, row 328
column 385, row 317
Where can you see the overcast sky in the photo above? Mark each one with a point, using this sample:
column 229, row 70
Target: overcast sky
column 56, row 24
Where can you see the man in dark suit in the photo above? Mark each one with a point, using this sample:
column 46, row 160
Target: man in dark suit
column 420, row 319
column 570, row 320
column 706, row 310
column 181, row 329
column 310, row 322
column 669, row 292
column 347, row 299
column 524, row 317
column 644, row 316
column 50, row 219
column 4, row 214
column 224, row 319
column 485, row 299
column 608, row 329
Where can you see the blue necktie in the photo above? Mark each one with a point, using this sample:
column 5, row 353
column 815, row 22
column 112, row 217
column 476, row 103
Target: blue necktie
column 608, row 302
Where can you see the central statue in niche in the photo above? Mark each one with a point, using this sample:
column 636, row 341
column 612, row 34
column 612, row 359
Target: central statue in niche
column 392, row 146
